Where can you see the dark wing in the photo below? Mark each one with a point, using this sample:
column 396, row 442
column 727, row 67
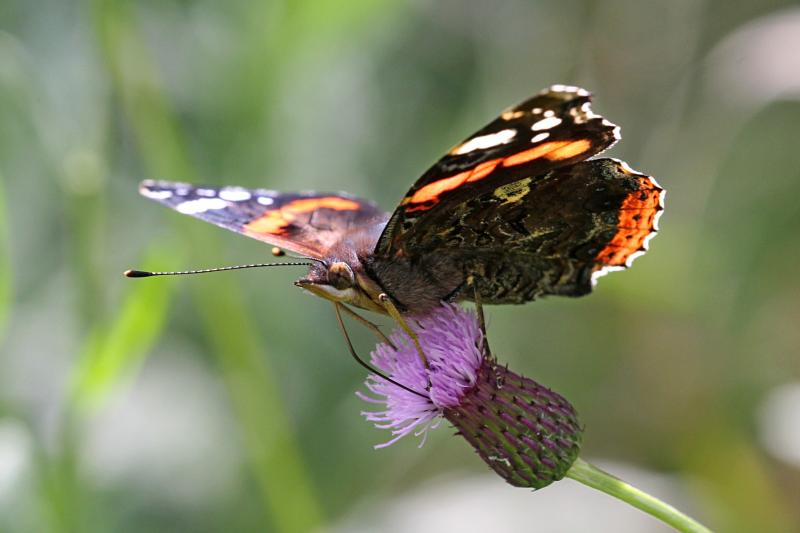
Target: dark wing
column 304, row 223
column 550, row 234
column 553, row 129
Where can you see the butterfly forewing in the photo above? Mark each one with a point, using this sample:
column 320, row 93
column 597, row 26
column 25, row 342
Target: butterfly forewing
column 555, row 128
column 304, row 223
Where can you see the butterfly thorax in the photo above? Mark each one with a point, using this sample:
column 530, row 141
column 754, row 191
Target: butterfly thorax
column 419, row 284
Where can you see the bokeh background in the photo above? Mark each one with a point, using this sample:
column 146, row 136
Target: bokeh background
column 226, row 402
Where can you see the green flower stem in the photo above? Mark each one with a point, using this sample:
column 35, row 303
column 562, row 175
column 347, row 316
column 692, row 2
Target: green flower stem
column 597, row 479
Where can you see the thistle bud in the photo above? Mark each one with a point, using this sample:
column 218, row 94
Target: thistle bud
column 525, row 432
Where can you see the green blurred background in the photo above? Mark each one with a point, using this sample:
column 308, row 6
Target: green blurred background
column 226, row 402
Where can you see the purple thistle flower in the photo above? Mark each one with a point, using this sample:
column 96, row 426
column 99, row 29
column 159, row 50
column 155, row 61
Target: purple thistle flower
column 451, row 339
column 525, row 432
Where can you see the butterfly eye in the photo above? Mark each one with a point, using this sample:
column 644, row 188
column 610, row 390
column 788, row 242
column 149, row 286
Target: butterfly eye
column 340, row 275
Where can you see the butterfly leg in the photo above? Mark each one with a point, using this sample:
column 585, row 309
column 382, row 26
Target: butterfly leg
column 388, row 304
column 338, row 307
column 479, row 310
column 369, row 325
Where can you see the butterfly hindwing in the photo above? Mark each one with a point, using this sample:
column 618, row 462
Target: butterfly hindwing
column 555, row 128
column 303, row 223
column 557, row 234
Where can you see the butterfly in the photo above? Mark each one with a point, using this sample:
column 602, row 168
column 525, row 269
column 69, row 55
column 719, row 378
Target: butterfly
column 515, row 212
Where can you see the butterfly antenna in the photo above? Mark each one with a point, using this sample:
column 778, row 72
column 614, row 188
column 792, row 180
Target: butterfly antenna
column 146, row 274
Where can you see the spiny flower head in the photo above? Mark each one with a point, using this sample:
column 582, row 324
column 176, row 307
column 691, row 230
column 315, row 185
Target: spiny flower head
column 525, row 432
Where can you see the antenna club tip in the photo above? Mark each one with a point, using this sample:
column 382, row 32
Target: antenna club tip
column 136, row 274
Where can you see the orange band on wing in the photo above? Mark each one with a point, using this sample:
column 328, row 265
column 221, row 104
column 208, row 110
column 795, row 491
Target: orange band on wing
column 306, row 205
column 274, row 221
column 533, row 153
column 637, row 220
column 483, row 170
column 431, row 191
column 554, row 151
column 572, row 149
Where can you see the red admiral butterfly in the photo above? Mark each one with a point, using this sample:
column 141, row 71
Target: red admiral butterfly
column 515, row 212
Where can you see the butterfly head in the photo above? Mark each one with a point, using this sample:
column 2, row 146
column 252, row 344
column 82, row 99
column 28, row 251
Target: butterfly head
column 342, row 281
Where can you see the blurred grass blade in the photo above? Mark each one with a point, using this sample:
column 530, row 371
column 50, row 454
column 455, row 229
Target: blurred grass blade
column 255, row 393
column 114, row 351
column 276, row 462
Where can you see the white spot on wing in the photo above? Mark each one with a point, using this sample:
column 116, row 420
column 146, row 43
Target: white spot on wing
column 586, row 107
column 208, row 193
column 511, row 115
column 234, row 195
column 559, row 88
column 486, row 141
column 585, row 114
column 540, row 137
column 194, row 207
column 546, row 123
column 156, row 195
column 549, row 113
column 264, row 200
